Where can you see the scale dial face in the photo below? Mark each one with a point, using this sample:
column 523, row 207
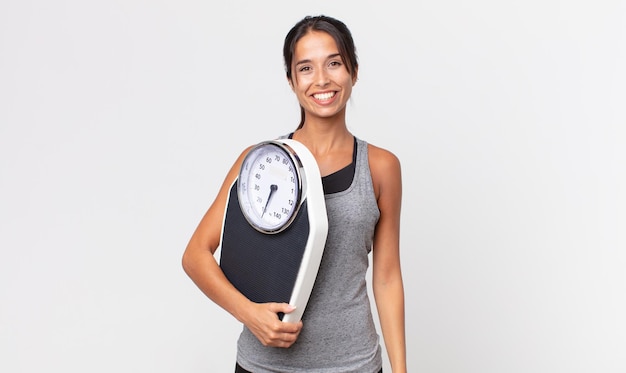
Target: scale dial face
column 270, row 186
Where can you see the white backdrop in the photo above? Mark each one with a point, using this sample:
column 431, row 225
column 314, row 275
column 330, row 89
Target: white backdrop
column 119, row 120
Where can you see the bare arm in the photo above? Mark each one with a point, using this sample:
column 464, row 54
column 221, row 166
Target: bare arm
column 387, row 276
column 201, row 266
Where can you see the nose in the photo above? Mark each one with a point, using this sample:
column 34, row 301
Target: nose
column 321, row 78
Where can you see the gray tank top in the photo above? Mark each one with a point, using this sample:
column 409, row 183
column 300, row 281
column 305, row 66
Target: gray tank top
column 339, row 335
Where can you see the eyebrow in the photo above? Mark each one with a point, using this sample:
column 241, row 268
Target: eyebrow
column 334, row 55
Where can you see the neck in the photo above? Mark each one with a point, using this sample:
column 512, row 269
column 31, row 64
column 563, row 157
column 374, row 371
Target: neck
column 322, row 137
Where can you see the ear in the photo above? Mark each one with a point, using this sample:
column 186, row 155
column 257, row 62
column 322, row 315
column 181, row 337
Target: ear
column 355, row 76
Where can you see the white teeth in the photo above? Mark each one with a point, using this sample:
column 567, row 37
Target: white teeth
column 324, row 96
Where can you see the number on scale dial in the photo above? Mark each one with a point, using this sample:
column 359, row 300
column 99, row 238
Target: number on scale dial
column 270, row 186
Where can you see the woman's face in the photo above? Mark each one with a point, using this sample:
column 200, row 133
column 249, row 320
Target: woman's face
column 320, row 79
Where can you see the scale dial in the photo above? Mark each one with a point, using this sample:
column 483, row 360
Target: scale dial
column 270, row 186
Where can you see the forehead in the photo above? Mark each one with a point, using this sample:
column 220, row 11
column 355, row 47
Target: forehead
column 315, row 43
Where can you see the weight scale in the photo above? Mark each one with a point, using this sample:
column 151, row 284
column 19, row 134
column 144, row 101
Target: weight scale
column 275, row 226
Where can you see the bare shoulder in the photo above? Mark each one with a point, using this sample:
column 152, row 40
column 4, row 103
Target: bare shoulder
column 381, row 159
column 234, row 170
column 385, row 169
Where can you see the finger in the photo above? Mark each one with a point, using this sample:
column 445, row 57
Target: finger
column 292, row 328
column 278, row 338
column 281, row 307
column 284, row 339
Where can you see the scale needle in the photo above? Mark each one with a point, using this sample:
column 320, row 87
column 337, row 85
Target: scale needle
column 273, row 188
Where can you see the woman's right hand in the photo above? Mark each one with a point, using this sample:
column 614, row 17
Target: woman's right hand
column 263, row 322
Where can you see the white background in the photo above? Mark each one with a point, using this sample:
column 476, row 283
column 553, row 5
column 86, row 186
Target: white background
column 119, row 120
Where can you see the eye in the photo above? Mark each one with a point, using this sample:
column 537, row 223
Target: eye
column 335, row 63
column 304, row 69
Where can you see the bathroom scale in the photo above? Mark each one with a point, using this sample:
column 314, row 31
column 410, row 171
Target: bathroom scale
column 275, row 226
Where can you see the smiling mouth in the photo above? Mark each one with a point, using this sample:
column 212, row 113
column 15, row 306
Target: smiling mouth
column 324, row 96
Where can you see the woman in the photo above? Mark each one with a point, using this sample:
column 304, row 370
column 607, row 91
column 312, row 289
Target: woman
column 362, row 187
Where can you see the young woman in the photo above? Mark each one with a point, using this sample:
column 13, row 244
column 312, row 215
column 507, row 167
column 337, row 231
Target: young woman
column 362, row 188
